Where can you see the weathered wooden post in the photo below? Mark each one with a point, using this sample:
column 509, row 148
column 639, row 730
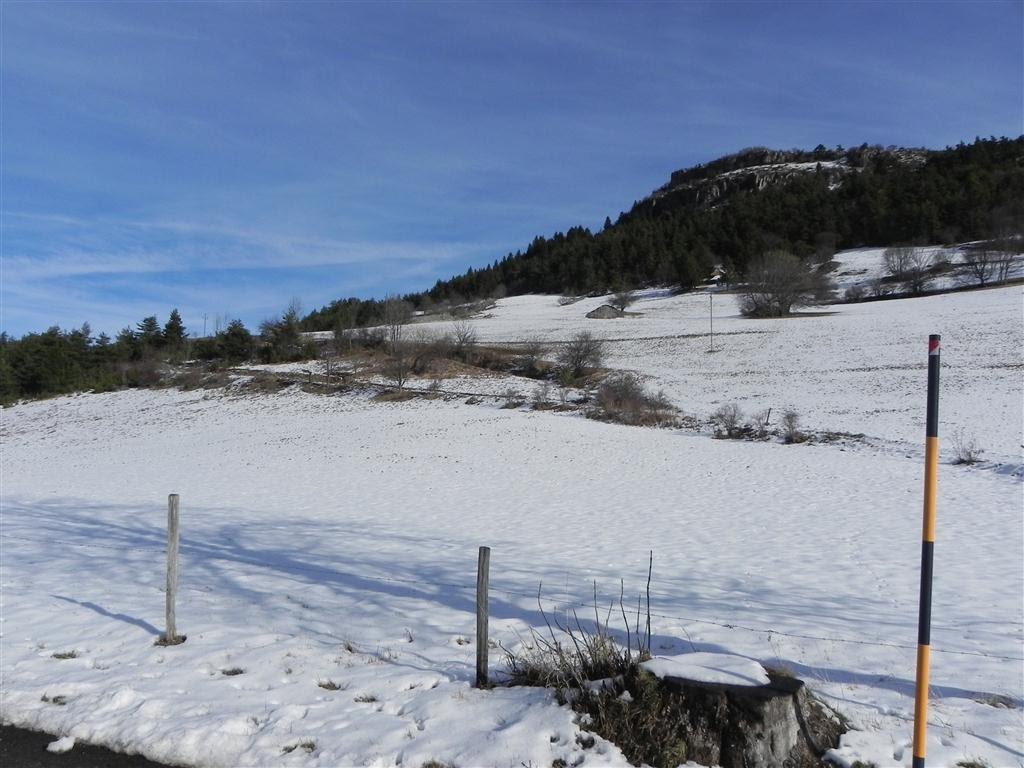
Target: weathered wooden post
column 711, row 318
column 482, row 577
column 171, row 637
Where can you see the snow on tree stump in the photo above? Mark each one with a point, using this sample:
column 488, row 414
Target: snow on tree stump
column 732, row 713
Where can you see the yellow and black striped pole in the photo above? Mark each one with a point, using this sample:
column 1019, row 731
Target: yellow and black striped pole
column 924, row 621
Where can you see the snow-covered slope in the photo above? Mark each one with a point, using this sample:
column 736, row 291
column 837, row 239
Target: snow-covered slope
column 854, row 368
column 329, row 545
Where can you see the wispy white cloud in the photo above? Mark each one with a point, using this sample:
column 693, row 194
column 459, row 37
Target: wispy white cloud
column 64, row 269
column 138, row 246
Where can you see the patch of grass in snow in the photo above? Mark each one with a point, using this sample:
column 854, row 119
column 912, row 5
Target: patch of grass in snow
column 365, row 698
column 395, row 396
column 308, row 746
column 383, row 656
column 59, row 700
column 330, row 685
column 65, row 655
column 164, row 641
column 232, row 671
column 999, row 701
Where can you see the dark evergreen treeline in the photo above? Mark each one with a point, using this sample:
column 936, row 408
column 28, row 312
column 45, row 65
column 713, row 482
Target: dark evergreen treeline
column 57, row 361
column 884, row 197
column 963, row 193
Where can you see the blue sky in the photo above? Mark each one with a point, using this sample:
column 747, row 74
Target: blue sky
column 225, row 158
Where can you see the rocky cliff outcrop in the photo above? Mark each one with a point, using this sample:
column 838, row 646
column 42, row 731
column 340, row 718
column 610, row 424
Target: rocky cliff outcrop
column 752, row 170
column 709, row 191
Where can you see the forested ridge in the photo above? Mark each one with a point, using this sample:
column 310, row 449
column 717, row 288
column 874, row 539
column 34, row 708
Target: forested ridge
column 963, row 193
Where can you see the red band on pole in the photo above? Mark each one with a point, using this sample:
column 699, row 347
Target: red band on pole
column 933, row 346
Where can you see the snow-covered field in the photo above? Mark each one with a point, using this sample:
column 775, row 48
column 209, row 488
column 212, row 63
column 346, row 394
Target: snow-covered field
column 330, row 543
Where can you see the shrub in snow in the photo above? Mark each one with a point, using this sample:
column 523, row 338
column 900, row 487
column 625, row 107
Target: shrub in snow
column 758, row 426
column 624, row 399
column 791, row 428
column 426, row 350
column 512, row 399
column 573, row 656
column 542, row 396
column 531, row 359
column 400, row 362
column 855, row 293
column 728, row 421
column 965, row 448
column 581, row 354
column 463, row 341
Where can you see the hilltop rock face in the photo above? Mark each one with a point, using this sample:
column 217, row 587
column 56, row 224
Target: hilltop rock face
column 753, row 170
column 754, row 178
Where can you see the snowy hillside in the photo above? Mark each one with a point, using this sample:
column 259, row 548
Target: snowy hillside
column 854, row 368
column 329, row 544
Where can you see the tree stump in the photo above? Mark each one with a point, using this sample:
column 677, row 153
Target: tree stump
column 744, row 726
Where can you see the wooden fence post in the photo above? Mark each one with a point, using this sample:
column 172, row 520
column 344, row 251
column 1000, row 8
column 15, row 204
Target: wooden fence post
column 171, row 637
column 482, row 577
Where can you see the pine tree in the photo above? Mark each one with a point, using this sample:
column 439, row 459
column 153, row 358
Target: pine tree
column 236, row 342
column 174, row 331
column 149, row 335
column 128, row 345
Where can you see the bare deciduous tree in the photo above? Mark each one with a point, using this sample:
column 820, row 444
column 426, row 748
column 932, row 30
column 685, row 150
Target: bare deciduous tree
column 982, row 264
column 463, row 340
column 344, row 325
column 918, row 269
column 896, row 260
column 879, row 287
column 1004, row 265
column 621, row 300
column 396, row 314
column 581, row 354
column 777, row 282
column 399, row 364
